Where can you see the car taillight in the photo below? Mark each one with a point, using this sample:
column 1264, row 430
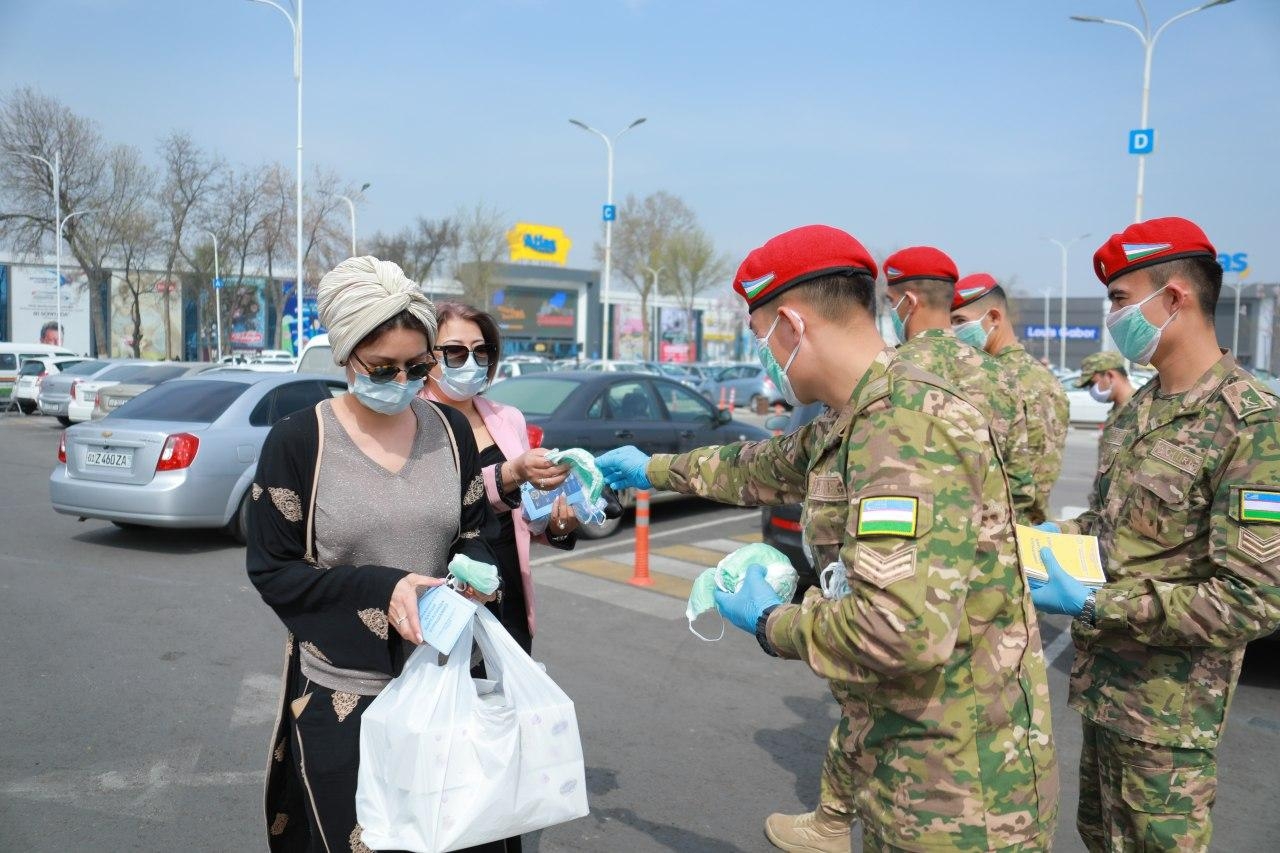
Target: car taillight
column 179, row 452
column 74, row 385
column 768, row 386
column 40, row 378
column 785, row 524
column 62, row 448
column 535, row 435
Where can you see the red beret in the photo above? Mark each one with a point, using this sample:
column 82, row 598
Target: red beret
column 796, row 256
column 919, row 262
column 972, row 288
column 1145, row 244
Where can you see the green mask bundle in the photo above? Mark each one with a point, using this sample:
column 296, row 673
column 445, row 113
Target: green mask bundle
column 482, row 577
column 728, row 575
column 584, row 465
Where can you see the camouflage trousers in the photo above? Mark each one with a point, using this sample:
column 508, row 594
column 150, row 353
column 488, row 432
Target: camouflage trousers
column 1137, row 796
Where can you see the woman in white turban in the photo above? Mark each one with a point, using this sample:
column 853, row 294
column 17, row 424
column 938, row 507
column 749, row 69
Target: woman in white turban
column 358, row 506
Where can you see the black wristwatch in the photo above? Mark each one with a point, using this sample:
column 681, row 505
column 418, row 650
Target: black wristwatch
column 762, row 636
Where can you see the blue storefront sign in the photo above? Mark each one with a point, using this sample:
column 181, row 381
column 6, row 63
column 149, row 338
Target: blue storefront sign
column 1074, row 333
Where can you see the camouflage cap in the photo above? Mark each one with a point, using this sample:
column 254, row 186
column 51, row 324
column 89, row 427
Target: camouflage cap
column 1096, row 363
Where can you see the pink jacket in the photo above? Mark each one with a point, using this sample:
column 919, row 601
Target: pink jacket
column 506, row 425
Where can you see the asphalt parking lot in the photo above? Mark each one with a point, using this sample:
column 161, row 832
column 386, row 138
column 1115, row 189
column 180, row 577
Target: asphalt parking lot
column 141, row 679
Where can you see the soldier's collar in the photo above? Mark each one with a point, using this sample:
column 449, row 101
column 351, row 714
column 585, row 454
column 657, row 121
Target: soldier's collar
column 873, row 385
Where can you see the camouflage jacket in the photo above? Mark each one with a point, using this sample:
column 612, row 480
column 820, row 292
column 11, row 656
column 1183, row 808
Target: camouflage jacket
column 993, row 388
column 1186, row 507
column 937, row 646
column 1047, row 417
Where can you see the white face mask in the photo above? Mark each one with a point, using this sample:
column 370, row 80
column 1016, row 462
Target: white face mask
column 1100, row 395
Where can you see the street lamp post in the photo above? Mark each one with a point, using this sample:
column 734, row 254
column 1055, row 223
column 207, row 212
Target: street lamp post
column 654, row 350
column 351, row 206
column 217, row 291
column 1062, row 329
column 55, row 168
column 295, row 22
column 1148, row 40
column 1047, row 291
column 608, row 225
column 57, row 273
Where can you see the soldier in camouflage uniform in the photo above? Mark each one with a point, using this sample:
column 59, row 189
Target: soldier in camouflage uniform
column 1186, row 507
column 980, row 317
column 1106, row 367
column 934, row 653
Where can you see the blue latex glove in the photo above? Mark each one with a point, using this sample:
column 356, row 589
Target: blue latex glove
column 625, row 468
column 1049, row 527
column 743, row 608
column 1061, row 593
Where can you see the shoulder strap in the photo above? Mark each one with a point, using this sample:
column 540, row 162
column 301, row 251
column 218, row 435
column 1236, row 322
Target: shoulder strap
column 453, row 441
column 315, row 484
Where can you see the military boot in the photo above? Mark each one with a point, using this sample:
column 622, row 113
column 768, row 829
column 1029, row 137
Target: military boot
column 818, row 831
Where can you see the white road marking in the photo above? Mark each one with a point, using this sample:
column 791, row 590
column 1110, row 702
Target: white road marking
column 258, row 702
column 665, row 532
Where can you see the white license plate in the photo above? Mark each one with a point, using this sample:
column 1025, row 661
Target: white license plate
column 115, row 402
column 109, row 458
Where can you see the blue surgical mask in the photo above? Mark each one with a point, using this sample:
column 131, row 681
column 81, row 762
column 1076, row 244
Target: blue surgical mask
column 1136, row 337
column 972, row 333
column 463, row 383
column 1100, row 395
column 778, row 373
column 900, row 323
column 388, row 398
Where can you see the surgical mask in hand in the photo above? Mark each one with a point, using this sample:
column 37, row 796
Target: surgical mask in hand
column 1099, row 395
column 465, row 571
column 972, row 333
column 463, row 383
column 728, row 575
column 834, row 581
column 387, row 398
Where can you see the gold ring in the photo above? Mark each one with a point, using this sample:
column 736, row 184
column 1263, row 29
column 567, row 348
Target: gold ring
column 402, row 620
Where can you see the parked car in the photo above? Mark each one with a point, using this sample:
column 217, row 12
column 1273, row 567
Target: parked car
column 1084, row 410
column 746, row 383
column 511, row 367
column 601, row 411
column 115, row 396
column 56, row 392
column 317, row 357
column 595, row 365
column 11, row 358
column 271, row 365
column 780, row 525
column 32, row 374
column 182, row 454
column 84, row 395
column 673, row 370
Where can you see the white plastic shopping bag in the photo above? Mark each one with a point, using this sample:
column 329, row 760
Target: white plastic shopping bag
column 447, row 762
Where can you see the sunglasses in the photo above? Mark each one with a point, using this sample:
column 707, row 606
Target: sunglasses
column 455, row 355
column 384, row 373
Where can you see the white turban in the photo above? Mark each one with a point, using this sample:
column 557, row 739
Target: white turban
column 360, row 294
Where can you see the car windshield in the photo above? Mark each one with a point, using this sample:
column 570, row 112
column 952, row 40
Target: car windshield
column 537, row 396
column 534, row 367
column 200, row 401
column 319, row 359
column 156, row 375
column 31, row 368
column 85, row 368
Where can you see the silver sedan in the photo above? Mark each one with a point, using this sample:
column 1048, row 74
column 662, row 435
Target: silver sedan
column 182, row 454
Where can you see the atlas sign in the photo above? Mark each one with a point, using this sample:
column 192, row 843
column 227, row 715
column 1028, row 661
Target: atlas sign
column 546, row 244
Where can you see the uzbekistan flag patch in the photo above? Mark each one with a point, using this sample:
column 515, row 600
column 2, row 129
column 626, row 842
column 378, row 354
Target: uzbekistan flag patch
column 897, row 516
column 1258, row 505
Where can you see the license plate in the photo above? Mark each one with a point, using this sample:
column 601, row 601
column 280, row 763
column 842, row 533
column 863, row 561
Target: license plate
column 89, row 396
column 108, row 458
column 115, row 402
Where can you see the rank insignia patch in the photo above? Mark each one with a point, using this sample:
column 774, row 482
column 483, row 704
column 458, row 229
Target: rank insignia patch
column 895, row 516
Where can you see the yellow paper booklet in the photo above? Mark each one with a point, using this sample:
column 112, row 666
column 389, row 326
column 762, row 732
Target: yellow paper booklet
column 1077, row 554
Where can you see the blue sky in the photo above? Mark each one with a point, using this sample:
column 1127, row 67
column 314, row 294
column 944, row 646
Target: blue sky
column 980, row 127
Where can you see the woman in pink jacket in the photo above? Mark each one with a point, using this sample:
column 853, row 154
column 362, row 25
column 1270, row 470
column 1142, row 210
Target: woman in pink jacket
column 467, row 349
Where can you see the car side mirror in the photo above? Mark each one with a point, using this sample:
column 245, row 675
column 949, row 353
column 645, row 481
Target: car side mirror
column 723, row 416
column 777, row 423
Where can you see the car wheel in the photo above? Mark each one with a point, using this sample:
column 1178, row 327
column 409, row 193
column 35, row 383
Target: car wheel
column 603, row 531
column 238, row 527
column 26, row 407
column 64, row 420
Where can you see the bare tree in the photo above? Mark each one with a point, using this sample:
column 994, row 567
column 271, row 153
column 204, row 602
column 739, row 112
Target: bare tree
column 692, row 267
column 140, row 239
column 275, row 240
column 481, row 246
column 418, row 249
column 190, row 180
column 242, row 217
column 644, row 230
column 35, row 124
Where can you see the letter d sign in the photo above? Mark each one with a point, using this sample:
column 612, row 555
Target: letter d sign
column 1142, row 141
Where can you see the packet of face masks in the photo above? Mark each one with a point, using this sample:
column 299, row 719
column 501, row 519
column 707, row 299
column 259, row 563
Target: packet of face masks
column 464, row 572
column 536, row 504
column 729, row 574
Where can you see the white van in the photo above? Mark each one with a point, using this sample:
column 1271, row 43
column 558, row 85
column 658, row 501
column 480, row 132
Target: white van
column 11, row 358
column 317, row 357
